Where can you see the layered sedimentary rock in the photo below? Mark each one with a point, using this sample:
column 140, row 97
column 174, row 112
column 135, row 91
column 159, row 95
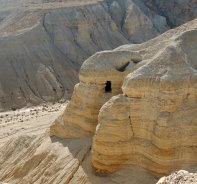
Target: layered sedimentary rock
column 150, row 117
column 153, row 123
column 101, row 77
column 43, row 45
column 139, row 102
column 41, row 159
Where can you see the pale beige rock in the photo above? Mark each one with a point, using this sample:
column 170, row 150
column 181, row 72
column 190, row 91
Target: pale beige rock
column 81, row 115
column 182, row 177
column 149, row 119
column 152, row 122
column 41, row 159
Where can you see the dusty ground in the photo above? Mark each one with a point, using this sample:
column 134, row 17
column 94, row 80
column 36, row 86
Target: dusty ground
column 34, row 120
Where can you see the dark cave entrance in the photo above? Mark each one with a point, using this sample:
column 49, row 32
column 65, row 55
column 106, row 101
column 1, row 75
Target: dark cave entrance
column 108, row 87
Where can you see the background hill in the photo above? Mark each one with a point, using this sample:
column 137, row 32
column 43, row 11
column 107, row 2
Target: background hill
column 43, row 43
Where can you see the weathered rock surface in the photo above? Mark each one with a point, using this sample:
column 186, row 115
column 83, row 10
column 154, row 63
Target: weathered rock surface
column 139, row 102
column 150, row 117
column 81, row 115
column 182, row 177
column 41, row 159
column 43, row 45
column 153, row 124
column 176, row 12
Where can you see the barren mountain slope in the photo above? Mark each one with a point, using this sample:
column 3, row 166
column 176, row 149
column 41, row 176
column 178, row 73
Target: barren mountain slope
column 44, row 43
column 177, row 12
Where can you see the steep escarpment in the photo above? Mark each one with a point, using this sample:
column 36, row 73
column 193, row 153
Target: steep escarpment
column 176, row 12
column 43, row 45
column 149, row 118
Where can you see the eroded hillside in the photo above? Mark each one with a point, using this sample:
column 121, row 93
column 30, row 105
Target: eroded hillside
column 44, row 43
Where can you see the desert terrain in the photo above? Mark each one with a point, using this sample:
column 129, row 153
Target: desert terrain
column 31, row 121
column 44, row 43
column 98, row 91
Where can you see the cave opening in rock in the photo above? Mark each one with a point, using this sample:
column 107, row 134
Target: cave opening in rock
column 108, row 87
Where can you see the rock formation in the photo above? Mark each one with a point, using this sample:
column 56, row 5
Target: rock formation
column 133, row 112
column 41, row 159
column 176, row 12
column 181, row 177
column 150, row 117
column 101, row 77
column 43, row 45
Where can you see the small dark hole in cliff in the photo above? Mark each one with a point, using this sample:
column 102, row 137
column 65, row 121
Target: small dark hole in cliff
column 13, row 108
column 108, row 87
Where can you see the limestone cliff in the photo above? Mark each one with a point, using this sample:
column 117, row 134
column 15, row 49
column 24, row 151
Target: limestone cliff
column 44, row 43
column 149, row 118
column 153, row 123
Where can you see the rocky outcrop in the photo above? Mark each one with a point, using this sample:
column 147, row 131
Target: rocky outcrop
column 53, row 162
column 153, row 123
column 179, row 177
column 101, row 78
column 149, row 118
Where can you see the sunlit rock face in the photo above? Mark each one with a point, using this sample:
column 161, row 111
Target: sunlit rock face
column 139, row 102
column 153, row 123
column 101, row 78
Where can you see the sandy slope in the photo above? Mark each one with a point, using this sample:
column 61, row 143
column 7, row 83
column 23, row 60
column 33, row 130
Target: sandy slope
column 34, row 120
column 38, row 158
column 45, row 160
